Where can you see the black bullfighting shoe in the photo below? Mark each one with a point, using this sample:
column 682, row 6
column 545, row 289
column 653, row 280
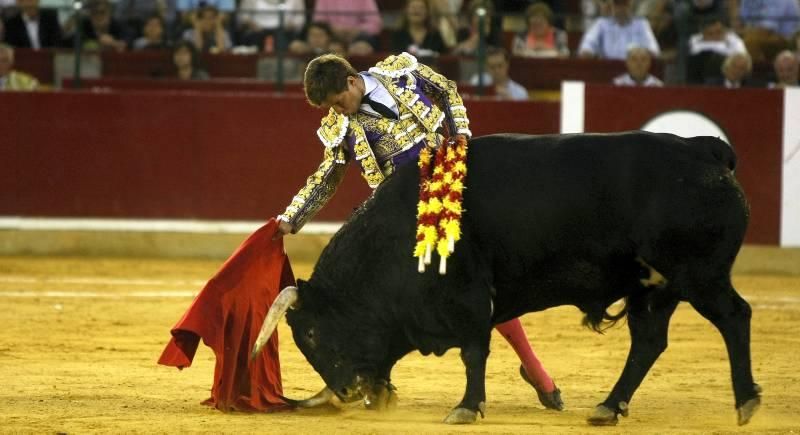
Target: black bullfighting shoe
column 551, row 400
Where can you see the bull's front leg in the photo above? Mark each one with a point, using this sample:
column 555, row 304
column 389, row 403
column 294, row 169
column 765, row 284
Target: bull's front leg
column 474, row 357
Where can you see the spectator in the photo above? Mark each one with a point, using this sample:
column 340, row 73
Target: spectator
column 767, row 25
column 796, row 41
column 469, row 37
column 787, row 68
column 708, row 50
column 699, row 10
column 735, row 72
column 11, row 80
column 357, row 23
column 33, row 27
column 208, row 33
column 660, row 14
column 187, row 62
column 592, row 10
column 497, row 66
column 638, row 62
column 101, row 31
column 541, row 38
column 317, row 41
column 188, row 7
column 717, row 38
column 153, row 35
column 259, row 19
column 610, row 37
column 134, row 14
column 445, row 18
column 416, row 34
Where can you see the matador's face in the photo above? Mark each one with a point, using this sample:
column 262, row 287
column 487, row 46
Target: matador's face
column 348, row 101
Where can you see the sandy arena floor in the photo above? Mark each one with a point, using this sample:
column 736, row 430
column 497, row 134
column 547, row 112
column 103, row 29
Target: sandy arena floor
column 79, row 339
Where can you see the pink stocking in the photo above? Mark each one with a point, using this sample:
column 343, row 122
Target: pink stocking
column 515, row 335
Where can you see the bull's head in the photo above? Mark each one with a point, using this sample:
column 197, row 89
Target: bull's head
column 345, row 356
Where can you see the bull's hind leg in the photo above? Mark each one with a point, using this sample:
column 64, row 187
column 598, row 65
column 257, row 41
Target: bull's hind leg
column 648, row 322
column 719, row 302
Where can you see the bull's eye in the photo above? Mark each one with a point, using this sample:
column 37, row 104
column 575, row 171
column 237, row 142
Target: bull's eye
column 310, row 336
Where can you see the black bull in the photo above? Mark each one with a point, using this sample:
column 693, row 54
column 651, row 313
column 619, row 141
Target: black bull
column 581, row 220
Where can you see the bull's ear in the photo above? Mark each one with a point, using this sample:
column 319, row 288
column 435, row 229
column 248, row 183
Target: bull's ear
column 301, row 285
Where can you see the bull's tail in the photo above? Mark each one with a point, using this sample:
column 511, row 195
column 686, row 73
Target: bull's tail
column 601, row 320
column 715, row 150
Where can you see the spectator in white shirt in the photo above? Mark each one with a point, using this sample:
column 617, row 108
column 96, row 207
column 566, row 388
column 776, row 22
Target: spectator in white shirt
column 611, row 37
column 259, row 19
column 638, row 62
column 716, row 37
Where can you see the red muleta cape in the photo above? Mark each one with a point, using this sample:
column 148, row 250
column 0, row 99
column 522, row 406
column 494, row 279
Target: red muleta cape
column 227, row 315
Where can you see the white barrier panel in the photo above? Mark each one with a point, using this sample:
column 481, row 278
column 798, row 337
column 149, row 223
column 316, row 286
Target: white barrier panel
column 572, row 107
column 790, row 198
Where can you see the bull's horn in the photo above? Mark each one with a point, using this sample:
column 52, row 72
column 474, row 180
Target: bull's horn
column 321, row 398
column 286, row 298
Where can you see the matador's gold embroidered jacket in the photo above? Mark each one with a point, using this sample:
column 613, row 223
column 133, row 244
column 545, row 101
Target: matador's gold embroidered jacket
column 424, row 99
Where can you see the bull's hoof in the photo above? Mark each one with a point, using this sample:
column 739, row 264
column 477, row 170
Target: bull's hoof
column 605, row 416
column 746, row 411
column 551, row 400
column 383, row 398
column 464, row 415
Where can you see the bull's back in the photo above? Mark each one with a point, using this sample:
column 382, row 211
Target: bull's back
column 543, row 194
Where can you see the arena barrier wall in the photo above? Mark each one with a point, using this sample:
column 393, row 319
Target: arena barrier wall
column 183, row 155
column 753, row 121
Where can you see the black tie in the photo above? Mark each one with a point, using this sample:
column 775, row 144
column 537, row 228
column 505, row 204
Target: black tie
column 378, row 107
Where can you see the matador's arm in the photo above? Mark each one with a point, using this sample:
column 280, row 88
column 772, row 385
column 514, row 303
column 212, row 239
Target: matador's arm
column 452, row 98
column 319, row 189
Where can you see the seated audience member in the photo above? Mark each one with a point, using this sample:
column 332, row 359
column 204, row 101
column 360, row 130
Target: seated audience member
column 101, row 31
column 317, row 41
column 356, row 23
column 736, row 71
column 708, row 50
column 592, row 10
column 153, row 35
column 208, row 32
column 187, row 62
column 717, row 38
column 33, row 27
column 660, row 14
column 258, row 19
column 541, row 39
column 767, row 25
column 416, row 34
column 134, row 14
column 469, row 37
column 638, row 63
column 610, row 37
column 444, row 14
column 188, row 7
column 11, row 80
column 787, row 68
column 497, row 65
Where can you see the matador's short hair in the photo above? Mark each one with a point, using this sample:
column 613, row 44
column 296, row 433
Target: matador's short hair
column 325, row 75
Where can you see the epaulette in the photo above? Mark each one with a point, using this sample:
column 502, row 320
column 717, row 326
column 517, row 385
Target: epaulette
column 395, row 65
column 333, row 129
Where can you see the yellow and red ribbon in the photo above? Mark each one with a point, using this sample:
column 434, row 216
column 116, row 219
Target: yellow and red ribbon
column 439, row 208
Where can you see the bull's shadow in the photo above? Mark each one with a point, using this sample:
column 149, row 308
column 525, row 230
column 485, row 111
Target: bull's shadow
column 581, row 220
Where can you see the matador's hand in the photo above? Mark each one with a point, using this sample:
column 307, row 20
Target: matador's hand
column 283, row 229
